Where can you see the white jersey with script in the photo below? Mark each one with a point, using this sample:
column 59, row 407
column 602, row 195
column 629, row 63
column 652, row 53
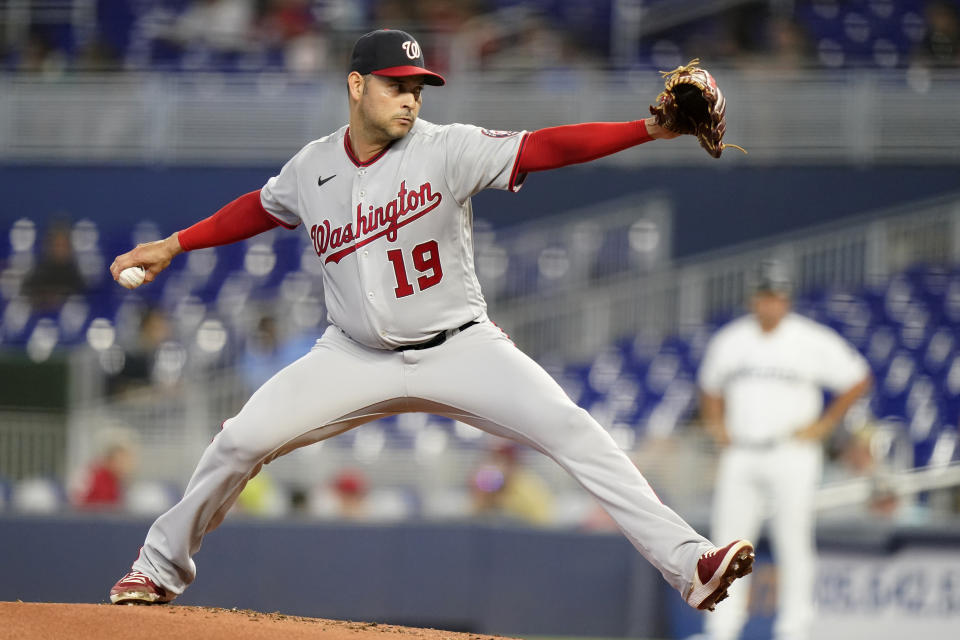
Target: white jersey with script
column 772, row 382
column 394, row 233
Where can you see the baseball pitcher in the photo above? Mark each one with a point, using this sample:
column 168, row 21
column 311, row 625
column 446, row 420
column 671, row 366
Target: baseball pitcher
column 385, row 201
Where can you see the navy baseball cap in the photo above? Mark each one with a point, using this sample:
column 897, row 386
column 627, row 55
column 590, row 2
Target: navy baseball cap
column 392, row 53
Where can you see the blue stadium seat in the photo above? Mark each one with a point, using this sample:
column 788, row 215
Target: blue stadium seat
column 894, row 384
column 950, row 392
column 665, row 367
column 605, row 370
column 881, row 345
column 938, row 352
column 951, row 302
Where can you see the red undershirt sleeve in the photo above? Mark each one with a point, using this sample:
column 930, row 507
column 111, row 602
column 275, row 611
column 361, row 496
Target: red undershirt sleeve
column 556, row 147
column 243, row 218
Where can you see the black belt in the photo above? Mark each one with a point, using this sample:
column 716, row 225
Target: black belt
column 436, row 340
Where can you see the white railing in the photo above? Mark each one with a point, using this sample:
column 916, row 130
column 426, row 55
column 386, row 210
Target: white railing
column 32, row 444
column 577, row 321
column 851, row 116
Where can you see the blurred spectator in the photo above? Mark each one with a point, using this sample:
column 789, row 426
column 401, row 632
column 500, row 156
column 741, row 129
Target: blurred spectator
column 395, row 14
column 856, row 459
column 220, row 25
column 464, row 34
column 502, row 488
column 39, row 54
column 941, row 44
column 351, row 489
column 753, row 38
column 855, row 454
column 447, row 16
column 789, row 45
column 107, row 478
column 290, row 26
column 97, row 56
column 263, row 497
column 259, row 359
column 285, row 20
column 139, row 362
column 344, row 497
column 447, row 20
column 56, row 275
column 535, row 44
column 267, row 351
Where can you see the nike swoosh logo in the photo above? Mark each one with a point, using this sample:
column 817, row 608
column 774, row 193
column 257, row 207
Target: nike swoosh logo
column 321, row 180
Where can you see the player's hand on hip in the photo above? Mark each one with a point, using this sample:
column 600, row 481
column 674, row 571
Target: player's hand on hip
column 154, row 257
column 813, row 432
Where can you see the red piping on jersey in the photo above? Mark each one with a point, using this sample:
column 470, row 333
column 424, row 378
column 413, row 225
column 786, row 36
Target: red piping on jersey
column 517, row 176
column 501, row 330
column 353, row 157
column 280, row 222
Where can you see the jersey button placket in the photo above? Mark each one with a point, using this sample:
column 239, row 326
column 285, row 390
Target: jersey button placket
column 363, row 265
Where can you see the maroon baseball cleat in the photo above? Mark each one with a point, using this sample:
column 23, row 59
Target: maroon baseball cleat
column 138, row 588
column 716, row 571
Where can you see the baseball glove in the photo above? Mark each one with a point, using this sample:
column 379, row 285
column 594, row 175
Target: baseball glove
column 691, row 103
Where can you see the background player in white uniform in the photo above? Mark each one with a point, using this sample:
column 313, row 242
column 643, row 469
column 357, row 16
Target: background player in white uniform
column 762, row 379
column 386, row 204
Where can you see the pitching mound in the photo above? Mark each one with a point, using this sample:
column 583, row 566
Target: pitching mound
column 42, row 621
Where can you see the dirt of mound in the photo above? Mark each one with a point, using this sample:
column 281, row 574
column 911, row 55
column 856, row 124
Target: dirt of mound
column 45, row 621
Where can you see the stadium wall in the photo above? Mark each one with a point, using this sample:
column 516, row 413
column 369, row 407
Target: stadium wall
column 458, row 578
column 874, row 582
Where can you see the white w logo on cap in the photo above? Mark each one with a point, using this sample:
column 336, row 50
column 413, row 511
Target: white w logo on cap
column 412, row 49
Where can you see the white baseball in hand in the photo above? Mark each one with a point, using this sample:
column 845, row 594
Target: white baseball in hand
column 132, row 277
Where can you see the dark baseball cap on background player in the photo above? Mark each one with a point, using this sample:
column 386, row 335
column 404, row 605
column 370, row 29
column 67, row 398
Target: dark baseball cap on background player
column 392, row 53
column 773, row 277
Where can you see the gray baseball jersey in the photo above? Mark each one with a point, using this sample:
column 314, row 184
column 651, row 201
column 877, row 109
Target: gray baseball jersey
column 394, row 233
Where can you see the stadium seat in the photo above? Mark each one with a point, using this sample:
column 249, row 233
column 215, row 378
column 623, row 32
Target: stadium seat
column 149, row 498
column 38, row 496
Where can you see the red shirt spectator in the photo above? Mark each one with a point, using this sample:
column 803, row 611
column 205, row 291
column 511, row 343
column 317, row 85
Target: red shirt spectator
column 106, row 479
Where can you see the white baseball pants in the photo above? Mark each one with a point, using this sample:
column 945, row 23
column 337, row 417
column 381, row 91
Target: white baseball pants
column 477, row 376
column 779, row 483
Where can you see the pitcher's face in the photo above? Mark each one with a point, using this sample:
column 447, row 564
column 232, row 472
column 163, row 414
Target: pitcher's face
column 390, row 106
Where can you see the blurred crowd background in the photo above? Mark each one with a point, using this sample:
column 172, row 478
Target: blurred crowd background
column 109, row 396
column 55, row 37
column 122, row 121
